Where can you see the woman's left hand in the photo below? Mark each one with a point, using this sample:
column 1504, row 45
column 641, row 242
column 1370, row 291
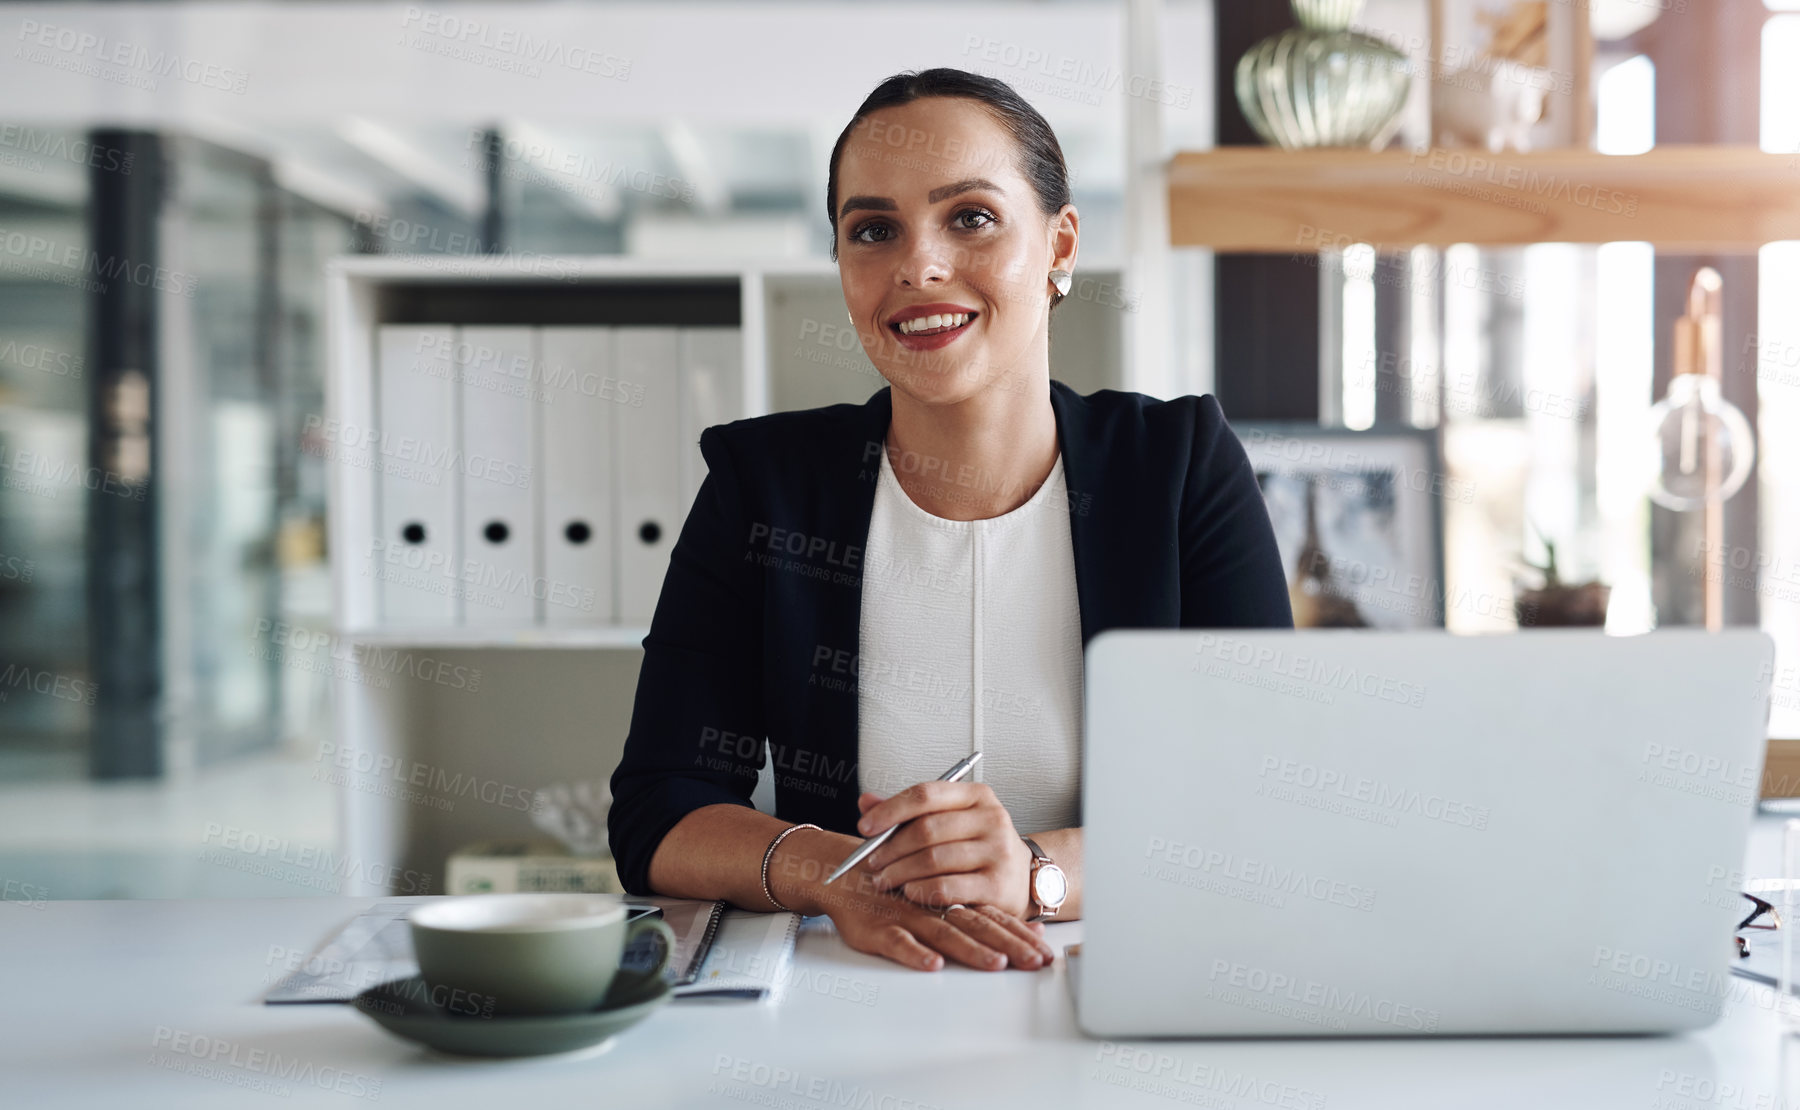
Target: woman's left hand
column 959, row 846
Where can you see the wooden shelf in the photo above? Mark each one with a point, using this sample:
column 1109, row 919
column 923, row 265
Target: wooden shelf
column 1693, row 198
column 1781, row 770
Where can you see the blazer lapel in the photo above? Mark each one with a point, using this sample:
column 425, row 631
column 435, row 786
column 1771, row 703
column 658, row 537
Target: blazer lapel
column 1115, row 577
column 850, row 467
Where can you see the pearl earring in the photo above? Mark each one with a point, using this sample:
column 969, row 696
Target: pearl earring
column 1060, row 279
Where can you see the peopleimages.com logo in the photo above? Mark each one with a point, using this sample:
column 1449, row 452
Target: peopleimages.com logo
column 1311, row 1001
column 1325, row 675
column 1200, row 863
column 1296, row 780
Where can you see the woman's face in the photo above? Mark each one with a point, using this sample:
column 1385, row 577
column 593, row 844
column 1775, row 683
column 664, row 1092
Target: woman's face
column 934, row 218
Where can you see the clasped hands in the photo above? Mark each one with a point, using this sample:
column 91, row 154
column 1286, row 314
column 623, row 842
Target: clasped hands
column 958, row 848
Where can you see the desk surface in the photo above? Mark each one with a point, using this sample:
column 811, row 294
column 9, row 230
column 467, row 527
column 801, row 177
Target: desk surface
column 92, row 995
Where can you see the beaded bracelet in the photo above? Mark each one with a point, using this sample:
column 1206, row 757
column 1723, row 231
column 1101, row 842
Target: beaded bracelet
column 769, row 855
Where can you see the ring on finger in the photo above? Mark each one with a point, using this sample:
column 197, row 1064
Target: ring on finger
column 945, row 916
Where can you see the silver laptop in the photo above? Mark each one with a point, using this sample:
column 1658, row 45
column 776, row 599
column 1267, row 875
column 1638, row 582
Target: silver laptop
column 1336, row 833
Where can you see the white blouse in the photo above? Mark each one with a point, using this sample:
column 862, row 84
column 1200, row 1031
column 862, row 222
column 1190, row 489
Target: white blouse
column 970, row 640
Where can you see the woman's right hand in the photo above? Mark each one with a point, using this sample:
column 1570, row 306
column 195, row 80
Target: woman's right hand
column 885, row 923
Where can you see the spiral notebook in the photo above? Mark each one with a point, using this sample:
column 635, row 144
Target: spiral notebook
column 751, row 957
column 719, row 952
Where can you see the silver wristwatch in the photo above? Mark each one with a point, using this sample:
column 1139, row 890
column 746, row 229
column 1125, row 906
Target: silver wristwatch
column 1049, row 886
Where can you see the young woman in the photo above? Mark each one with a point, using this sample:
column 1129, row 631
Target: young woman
column 881, row 589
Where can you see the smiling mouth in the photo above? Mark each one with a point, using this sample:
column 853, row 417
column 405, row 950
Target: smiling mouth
column 938, row 324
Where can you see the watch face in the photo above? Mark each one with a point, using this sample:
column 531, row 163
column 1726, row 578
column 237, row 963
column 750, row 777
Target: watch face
column 1051, row 886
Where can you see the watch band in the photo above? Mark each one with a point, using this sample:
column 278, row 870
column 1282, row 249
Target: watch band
column 1038, row 859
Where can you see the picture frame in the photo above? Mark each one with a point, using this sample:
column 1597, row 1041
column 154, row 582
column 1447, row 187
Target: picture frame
column 1372, row 555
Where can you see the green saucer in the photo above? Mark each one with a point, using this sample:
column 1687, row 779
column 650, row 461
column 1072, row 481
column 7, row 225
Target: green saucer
column 404, row 1008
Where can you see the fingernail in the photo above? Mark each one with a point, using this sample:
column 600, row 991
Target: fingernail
column 1033, row 960
column 865, row 826
column 996, row 961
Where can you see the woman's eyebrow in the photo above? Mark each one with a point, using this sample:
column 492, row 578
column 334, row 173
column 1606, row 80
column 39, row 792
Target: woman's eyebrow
column 962, row 186
column 886, row 204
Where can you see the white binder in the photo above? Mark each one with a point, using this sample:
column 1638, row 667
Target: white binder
column 712, row 392
column 414, row 558
column 581, row 394
column 500, row 572
column 650, row 501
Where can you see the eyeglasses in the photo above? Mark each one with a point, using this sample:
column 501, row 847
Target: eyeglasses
column 1761, row 909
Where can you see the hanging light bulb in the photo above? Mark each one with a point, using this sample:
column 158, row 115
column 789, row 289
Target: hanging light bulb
column 1692, row 419
column 1702, row 447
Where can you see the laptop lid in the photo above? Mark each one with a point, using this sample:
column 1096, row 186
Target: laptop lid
column 1405, row 833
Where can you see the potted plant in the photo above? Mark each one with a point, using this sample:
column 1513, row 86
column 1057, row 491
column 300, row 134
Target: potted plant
column 1556, row 603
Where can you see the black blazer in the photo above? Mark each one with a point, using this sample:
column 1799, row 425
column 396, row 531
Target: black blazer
column 756, row 632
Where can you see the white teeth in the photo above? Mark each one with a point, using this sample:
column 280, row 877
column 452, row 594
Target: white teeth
column 926, row 323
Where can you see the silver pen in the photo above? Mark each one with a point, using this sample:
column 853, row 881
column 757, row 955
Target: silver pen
column 963, row 767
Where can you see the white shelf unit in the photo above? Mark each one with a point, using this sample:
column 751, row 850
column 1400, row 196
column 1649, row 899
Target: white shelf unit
column 442, row 733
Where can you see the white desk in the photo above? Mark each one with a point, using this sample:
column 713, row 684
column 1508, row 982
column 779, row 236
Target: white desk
column 86, row 988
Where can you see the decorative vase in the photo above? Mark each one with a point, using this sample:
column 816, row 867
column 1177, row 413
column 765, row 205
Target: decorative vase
column 1322, row 84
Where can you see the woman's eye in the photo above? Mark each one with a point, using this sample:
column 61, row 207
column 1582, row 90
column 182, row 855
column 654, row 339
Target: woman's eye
column 987, row 217
column 857, row 235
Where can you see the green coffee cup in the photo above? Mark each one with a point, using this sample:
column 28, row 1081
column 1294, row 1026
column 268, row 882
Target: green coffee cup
column 486, row 954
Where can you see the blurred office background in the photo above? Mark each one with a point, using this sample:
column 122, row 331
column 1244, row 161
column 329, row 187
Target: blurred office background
column 163, row 494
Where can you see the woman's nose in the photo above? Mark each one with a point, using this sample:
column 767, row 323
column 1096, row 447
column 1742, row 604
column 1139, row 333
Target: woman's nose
column 929, row 259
